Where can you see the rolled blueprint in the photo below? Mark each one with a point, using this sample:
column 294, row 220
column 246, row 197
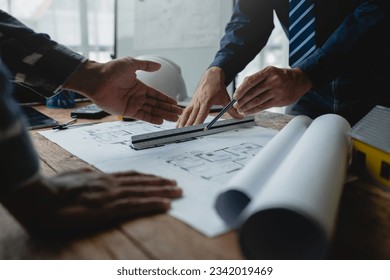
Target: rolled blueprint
column 293, row 216
column 243, row 187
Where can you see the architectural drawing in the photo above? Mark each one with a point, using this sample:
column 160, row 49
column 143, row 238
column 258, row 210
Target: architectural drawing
column 201, row 167
column 121, row 132
column 214, row 165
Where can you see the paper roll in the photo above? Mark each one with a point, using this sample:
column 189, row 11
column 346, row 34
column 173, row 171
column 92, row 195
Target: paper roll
column 293, row 215
column 249, row 181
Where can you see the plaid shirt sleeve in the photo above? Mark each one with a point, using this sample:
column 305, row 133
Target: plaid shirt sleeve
column 33, row 58
column 18, row 160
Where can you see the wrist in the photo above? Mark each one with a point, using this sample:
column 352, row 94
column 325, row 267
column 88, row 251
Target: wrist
column 216, row 71
column 304, row 80
column 214, row 74
column 84, row 79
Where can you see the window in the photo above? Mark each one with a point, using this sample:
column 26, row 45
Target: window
column 359, row 160
column 85, row 26
column 385, row 170
column 4, row 4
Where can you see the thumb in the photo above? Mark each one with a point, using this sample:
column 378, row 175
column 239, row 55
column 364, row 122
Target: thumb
column 234, row 113
column 147, row 65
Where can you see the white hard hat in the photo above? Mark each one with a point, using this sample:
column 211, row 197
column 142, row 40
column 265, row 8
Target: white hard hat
column 168, row 79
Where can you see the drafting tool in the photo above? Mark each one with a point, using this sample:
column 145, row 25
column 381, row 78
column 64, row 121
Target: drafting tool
column 224, row 110
column 153, row 139
column 71, row 124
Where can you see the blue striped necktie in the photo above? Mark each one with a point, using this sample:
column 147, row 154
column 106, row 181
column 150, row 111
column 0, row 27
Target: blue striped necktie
column 301, row 30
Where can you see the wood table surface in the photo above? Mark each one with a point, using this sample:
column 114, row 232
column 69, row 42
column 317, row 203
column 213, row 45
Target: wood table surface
column 362, row 229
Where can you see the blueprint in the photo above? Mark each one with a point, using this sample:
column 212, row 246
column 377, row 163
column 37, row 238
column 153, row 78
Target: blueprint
column 287, row 196
column 202, row 167
column 214, row 165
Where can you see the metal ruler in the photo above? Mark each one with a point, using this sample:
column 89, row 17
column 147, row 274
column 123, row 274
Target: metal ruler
column 153, row 139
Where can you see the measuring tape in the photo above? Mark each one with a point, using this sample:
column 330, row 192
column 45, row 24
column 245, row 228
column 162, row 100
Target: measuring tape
column 153, row 139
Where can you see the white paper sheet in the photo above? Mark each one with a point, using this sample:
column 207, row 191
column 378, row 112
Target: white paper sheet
column 202, row 167
column 292, row 203
column 249, row 181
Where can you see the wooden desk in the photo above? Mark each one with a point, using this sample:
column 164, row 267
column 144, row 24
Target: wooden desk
column 362, row 232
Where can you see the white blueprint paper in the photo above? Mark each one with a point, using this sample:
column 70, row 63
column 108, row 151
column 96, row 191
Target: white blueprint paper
column 202, row 167
column 290, row 207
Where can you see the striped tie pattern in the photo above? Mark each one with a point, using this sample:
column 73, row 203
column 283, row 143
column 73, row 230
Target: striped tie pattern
column 301, row 30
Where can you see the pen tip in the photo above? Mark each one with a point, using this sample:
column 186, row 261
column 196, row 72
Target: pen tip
column 205, row 129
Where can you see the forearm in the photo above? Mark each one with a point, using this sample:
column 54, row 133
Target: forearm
column 245, row 35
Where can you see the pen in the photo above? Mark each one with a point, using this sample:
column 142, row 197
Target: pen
column 224, row 110
column 65, row 125
column 70, row 125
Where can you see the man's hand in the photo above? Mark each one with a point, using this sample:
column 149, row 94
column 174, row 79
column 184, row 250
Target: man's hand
column 211, row 91
column 83, row 200
column 270, row 87
column 114, row 87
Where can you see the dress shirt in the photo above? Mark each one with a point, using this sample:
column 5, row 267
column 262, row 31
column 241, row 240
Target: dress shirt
column 349, row 69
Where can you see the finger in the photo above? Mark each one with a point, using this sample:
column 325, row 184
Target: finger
column 255, row 102
column 154, row 115
column 164, row 106
column 148, row 117
column 154, row 94
column 166, row 115
column 141, row 89
column 248, row 83
column 192, row 117
column 130, row 173
column 151, row 191
column 156, row 191
column 255, row 92
column 184, row 117
column 99, row 199
column 144, row 180
column 146, row 65
column 132, row 206
column 202, row 114
column 235, row 114
column 261, row 107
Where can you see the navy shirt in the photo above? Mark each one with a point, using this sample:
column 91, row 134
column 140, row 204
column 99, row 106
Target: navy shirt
column 349, row 69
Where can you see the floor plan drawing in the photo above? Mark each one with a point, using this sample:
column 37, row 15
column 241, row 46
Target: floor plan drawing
column 121, row 132
column 202, row 167
column 214, row 165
